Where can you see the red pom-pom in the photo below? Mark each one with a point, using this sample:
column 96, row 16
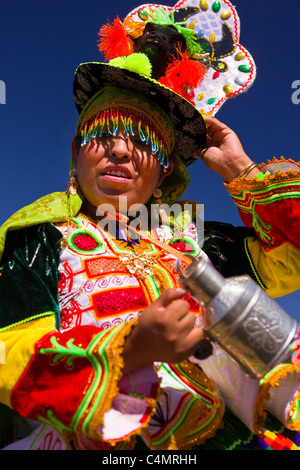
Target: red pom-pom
column 114, row 41
column 183, row 75
column 176, row 85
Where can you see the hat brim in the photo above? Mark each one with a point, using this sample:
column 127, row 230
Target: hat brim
column 188, row 123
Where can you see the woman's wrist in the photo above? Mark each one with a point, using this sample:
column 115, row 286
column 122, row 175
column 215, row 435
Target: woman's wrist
column 243, row 168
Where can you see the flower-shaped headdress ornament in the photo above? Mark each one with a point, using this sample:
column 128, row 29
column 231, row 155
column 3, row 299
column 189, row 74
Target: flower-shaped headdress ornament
column 193, row 48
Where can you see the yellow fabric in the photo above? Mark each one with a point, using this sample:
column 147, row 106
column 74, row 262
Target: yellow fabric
column 54, row 207
column 278, row 268
column 18, row 349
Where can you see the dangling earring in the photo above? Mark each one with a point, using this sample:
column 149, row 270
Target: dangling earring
column 72, row 185
column 160, row 212
column 157, row 196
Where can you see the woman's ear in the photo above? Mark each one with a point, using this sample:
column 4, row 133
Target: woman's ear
column 166, row 172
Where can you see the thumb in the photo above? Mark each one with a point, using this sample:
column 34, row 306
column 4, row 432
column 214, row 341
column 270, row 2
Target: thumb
column 169, row 295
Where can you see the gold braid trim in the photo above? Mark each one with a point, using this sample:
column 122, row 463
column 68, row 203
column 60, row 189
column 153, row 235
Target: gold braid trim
column 270, row 381
column 195, row 421
column 115, row 365
column 294, row 422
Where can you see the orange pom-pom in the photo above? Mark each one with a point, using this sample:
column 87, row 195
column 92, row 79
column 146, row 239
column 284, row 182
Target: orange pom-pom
column 114, row 41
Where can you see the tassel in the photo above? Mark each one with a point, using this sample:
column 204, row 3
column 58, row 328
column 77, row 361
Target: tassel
column 113, row 40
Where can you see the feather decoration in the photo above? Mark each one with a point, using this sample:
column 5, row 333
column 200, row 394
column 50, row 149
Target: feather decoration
column 160, row 16
column 114, row 41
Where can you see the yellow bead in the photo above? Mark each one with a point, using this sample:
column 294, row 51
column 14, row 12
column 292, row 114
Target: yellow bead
column 240, row 56
column 225, row 15
column 192, row 24
column 227, row 89
column 212, row 37
column 200, row 97
column 203, row 5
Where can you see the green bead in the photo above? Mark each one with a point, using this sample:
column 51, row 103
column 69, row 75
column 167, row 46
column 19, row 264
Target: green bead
column 211, row 100
column 216, row 7
column 244, row 68
column 143, row 15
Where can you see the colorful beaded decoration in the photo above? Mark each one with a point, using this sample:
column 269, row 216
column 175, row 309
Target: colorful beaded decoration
column 107, row 122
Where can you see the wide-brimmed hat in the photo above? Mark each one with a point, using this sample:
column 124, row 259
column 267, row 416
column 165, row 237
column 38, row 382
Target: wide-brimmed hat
column 229, row 70
column 188, row 123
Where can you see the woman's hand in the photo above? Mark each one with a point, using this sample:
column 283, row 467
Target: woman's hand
column 223, row 152
column 166, row 332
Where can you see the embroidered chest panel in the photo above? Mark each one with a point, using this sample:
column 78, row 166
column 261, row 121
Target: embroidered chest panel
column 104, row 282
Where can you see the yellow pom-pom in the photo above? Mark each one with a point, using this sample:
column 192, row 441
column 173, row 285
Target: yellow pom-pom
column 136, row 62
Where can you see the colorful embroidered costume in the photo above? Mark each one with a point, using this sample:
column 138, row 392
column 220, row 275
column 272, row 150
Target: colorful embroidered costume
column 71, row 293
column 69, row 313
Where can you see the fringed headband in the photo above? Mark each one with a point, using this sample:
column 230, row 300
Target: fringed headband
column 113, row 107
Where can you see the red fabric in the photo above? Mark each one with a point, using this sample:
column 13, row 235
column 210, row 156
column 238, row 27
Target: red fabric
column 47, row 385
column 118, row 301
column 283, row 218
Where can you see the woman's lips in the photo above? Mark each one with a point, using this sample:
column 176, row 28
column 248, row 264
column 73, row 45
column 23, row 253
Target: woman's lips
column 116, row 175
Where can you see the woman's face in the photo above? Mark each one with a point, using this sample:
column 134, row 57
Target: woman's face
column 111, row 167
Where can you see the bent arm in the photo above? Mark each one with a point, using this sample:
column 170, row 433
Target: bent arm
column 69, row 379
column 270, row 204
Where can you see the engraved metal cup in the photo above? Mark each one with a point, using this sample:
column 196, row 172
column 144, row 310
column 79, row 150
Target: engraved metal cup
column 246, row 323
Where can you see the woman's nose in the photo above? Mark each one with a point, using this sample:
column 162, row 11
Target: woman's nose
column 121, row 147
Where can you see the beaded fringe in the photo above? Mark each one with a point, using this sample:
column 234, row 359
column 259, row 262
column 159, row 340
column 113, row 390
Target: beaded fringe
column 107, row 122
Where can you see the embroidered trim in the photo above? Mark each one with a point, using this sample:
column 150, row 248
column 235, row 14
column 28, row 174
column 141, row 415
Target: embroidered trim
column 109, row 352
column 237, row 186
column 252, row 265
column 186, row 428
column 294, row 413
column 26, row 320
column 271, row 380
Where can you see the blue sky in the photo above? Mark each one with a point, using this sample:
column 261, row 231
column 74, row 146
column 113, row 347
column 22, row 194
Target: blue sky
column 41, row 44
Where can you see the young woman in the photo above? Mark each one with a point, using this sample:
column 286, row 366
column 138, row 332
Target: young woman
column 99, row 336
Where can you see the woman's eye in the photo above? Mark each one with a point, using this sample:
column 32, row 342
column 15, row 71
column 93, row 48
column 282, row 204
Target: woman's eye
column 104, row 136
column 140, row 143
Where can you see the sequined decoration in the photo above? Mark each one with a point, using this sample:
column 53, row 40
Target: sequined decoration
column 139, row 264
column 107, row 122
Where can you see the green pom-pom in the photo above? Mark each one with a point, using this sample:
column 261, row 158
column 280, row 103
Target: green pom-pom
column 136, row 62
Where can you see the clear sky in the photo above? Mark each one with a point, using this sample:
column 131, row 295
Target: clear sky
column 41, row 44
